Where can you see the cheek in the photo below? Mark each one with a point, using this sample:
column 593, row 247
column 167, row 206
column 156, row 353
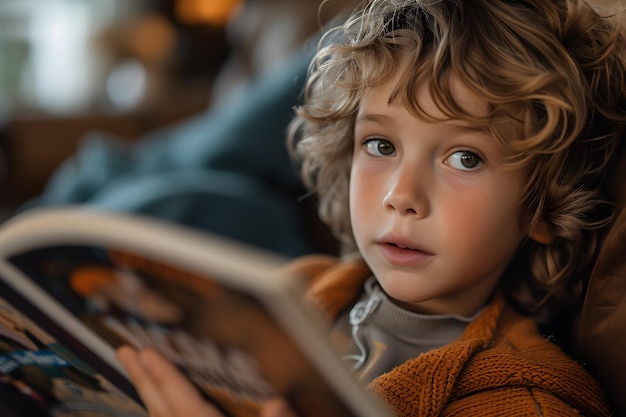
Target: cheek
column 363, row 197
column 356, row 201
column 484, row 221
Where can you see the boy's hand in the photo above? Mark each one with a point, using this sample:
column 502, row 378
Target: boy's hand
column 166, row 392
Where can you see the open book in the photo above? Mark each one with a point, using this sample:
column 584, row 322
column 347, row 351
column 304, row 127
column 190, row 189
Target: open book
column 75, row 283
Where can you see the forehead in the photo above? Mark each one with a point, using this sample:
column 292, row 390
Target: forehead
column 458, row 104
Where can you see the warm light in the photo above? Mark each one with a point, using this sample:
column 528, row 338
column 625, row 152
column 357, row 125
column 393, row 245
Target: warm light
column 213, row 12
column 152, row 39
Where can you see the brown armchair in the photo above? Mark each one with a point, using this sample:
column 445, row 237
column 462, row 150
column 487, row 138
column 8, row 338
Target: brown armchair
column 600, row 333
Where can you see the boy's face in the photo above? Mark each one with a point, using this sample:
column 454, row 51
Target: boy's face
column 435, row 214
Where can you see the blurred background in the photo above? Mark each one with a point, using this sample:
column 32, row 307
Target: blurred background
column 123, row 66
column 63, row 57
column 126, row 67
column 175, row 109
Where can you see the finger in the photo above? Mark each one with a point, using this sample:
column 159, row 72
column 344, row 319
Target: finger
column 175, row 390
column 276, row 407
column 143, row 382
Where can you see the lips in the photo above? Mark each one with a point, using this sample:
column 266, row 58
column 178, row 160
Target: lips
column 401, row 252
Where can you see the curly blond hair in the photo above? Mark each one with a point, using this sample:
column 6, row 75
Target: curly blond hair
column 555, row 68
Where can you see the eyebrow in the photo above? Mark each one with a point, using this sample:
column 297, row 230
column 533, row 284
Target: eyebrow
column 373, row 117
column 459, row 128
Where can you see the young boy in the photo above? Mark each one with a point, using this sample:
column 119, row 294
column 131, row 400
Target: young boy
column 464, row 152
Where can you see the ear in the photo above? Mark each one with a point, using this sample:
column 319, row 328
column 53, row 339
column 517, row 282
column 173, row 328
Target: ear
column 540, row 233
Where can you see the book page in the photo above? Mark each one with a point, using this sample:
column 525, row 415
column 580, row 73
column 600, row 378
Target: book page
column 222, row 338
column 50, row 373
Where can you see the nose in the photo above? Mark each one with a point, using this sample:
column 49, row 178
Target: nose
column 407, row 194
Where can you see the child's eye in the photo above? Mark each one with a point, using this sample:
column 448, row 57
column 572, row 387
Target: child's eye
column 380, row 147
column 465, row 160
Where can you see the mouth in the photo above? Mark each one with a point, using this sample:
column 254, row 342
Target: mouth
column 404, row 244
column 403, row 253
column 401, row 246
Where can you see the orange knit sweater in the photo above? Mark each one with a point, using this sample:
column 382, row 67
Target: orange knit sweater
column 501, row 366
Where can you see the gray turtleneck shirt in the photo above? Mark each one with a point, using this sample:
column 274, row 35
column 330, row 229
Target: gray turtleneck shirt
column 376, row 335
